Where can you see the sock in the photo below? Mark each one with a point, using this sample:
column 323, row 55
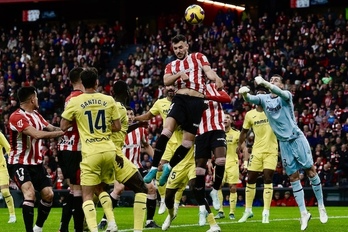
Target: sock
column 299, row 195
column 114, row 201
column 66, row 212
column 317, row 189
column 178, row 155
column 151, row 207
column 211, row 219
column 28, row 214
column 250, row 191
column 219, row 175
column 9, row 200
column 199, row 190
column 159, row 150
column 161, row 189
column 106, row 203
column 44, row 209
column 267, row 195
column 78, row 215
column 265, row 211
column 221, row 198
column 90, row 215
column 178, row 195
column 139, row 209
column 233, row 202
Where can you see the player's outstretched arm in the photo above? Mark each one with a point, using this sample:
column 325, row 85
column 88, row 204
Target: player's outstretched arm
column 273, row 88
column 135, row 125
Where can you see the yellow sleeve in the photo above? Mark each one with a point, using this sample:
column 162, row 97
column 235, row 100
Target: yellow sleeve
column 4, row 143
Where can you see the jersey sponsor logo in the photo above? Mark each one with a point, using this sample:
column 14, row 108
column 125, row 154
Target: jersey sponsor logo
column 94, row 140
column 260, row 121
column 66, row 142
column 20, row 123
column 273, row 109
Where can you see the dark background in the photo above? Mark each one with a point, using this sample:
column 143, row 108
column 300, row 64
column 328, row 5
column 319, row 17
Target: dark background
column 132, row 13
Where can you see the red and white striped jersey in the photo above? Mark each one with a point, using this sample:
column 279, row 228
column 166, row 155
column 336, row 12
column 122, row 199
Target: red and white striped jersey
column 70, row 141
column 133, row 143
column 25, row 149
column 192, row 66
column 213, row 117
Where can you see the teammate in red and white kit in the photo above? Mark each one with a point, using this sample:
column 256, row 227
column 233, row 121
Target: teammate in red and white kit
column 27, row 129
column 69, row 158
column 135, row 141
column 210, row 139
column 188, row 73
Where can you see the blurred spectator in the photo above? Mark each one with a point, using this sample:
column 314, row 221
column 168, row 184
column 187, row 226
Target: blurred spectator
column 185, row 201
column 288, row 199
column 326, row 175
column 240, row 201
column 226, row 201
column 276, row 200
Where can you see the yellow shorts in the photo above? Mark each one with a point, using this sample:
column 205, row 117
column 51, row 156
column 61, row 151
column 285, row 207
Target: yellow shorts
column 97, row 168
column 180, row 175
column 231, row 175
column 169, row 152
column 125, row 171
column 259, row 162
column 172, row 145
column 4, row 176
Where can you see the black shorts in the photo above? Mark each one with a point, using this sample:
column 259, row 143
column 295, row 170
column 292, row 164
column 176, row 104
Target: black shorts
column 187, row 111
column 207, row 142
column 37, row 174
column 69, row 162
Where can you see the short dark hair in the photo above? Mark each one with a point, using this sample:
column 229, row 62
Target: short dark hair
column 74, row 74
column 178, row 38
column 89, row 78
column 130, row 108
column 25, row 92
column 121, row 92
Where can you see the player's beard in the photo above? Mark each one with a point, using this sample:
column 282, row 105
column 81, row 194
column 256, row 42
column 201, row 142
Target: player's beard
column 182, row 55
column 170, row 93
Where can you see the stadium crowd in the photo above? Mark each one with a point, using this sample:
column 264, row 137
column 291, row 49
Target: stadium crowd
column 310, row 51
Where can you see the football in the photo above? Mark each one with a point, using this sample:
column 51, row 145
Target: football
column 194, row 14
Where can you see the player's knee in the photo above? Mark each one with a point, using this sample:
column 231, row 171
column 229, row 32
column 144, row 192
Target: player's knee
column 233, row 188
column 5, row 192
column 221, row 161
column 47, row 195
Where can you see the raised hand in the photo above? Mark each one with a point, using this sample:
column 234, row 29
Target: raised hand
column 244, row 90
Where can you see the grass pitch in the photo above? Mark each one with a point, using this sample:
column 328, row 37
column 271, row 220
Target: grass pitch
column 284, row 219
